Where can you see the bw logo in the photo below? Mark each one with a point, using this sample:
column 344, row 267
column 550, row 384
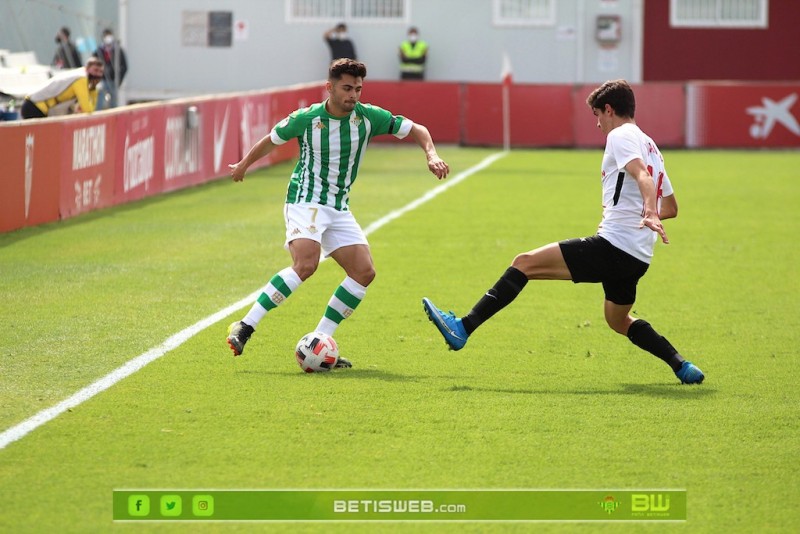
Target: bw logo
column 653, row 502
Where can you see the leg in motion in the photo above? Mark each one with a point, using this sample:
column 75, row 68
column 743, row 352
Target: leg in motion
column 356, row 260
column 544, row 263
column 305, row 256
column 646, row 338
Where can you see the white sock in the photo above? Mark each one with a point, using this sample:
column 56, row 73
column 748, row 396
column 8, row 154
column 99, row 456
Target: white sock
column 341, row 305
column 279, row 288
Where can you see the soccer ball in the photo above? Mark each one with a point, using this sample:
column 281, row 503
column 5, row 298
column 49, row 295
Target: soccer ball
column 316, row 352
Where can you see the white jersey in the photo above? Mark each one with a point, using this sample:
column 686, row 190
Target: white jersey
column 623, row 205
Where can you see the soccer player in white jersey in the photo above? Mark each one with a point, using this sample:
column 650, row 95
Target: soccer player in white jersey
column 637, row 196
column 333, row 136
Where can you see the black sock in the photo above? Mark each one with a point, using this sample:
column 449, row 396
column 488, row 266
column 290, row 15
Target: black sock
column 643, row 336
column 504, row 291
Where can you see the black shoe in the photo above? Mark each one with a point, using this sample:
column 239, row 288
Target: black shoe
column 343, row 363
column 238, row 334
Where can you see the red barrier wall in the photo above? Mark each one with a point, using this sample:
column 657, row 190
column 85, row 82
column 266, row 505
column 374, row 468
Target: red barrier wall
column 434, row 105
column 137, row 154
column 29, row 192
column 660, row 111
column 60, row 167
column 257, row 121
column 220, row 142
column 743, row 115
column 542, row 115
column 87, row 165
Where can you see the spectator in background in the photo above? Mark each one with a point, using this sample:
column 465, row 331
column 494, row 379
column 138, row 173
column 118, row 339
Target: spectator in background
column 113, row 56
column 66, row 56
column 71, row 91
column 339, row 42
column 413, row 54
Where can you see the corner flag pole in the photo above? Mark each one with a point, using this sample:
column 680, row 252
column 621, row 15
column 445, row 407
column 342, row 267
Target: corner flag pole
column 505, row 74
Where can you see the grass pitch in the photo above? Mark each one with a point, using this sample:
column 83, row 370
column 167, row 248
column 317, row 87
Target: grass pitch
column 543, row 396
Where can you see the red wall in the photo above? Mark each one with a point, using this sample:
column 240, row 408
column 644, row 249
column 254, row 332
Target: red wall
column 56, row 168
column 678, row 54
column 61, row 167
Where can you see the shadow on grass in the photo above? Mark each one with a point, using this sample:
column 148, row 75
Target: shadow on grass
column 343, row 374
column 664, row 391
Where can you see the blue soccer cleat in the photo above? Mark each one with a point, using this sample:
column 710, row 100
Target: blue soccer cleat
column 689, row 373
column 449, row 326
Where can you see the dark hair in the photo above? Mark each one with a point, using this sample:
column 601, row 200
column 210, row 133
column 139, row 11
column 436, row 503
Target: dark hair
column 65, row 31
column 617, row 94
column 107, row 31
column 346, row 66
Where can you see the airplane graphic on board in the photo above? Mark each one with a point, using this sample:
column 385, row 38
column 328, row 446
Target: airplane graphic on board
column 771, row 112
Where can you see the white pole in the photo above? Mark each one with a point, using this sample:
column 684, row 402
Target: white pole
column 122, row 37
column 506, row 78
column 506, row 117
column 579, row 43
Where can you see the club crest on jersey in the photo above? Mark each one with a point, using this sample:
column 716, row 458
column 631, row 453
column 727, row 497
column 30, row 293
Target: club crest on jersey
column 312, row 229
column 320, row 126
column 356, row 120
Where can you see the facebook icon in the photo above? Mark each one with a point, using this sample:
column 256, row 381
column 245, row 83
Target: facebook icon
column 138, row 505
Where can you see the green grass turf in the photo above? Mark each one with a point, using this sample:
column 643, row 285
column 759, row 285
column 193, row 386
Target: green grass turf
column 544, row 395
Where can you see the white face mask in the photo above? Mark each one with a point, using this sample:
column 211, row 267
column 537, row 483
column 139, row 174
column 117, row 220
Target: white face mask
column 412, row 38
column 108, row 39
column 342, row 36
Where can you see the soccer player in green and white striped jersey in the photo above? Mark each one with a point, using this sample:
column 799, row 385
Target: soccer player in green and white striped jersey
column 333, row 136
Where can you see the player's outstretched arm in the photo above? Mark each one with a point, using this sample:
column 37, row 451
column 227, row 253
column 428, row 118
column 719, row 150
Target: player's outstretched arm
column 638, row 171
column 436, row 165
column 258, row 151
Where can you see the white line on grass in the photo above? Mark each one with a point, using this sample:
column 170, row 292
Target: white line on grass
column 20, row 430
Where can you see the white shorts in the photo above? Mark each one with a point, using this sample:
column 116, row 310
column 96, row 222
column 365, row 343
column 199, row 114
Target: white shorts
column 331, row 228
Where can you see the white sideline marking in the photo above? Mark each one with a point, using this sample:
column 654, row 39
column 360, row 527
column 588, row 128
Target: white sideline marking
column 20, row 430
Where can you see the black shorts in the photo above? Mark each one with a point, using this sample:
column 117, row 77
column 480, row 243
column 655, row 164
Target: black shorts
column 593, row 259
column 31, row 111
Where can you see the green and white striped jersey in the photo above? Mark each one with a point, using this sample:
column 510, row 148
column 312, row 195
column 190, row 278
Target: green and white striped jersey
column 331, row 149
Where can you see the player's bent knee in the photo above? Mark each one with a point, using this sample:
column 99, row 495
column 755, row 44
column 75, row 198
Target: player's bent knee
column 305, row 269
column 522, row 262
column 365, row 277
column 620, row 326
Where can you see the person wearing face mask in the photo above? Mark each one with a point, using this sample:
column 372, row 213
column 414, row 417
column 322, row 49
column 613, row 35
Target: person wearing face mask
column 339, row 42
column 66, row 55
column 413, row 54
column 116, row 66
column 71, row 91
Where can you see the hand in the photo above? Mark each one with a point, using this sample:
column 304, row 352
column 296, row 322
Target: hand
column 654, row 223
column 237, row 171
column 438, row 167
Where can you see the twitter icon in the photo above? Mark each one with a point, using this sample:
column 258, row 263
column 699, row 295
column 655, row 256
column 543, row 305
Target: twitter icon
column 171, row 505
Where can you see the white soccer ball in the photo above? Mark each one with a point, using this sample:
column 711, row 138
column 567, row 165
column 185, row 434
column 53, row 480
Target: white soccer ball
column 316, row 352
